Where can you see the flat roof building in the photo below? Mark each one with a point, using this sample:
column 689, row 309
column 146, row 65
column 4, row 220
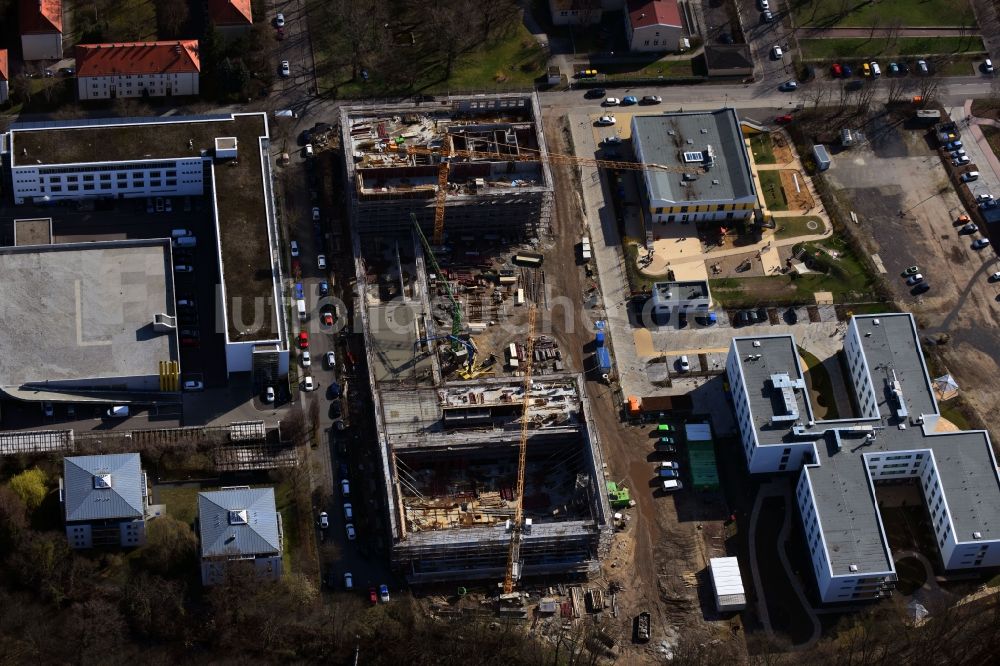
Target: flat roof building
column 86, row 320
column 105, row 499
column 728, row 584
column 841, row 461
column 239, row 523
column 681, row 296
column 175, row 156
column 716, row 183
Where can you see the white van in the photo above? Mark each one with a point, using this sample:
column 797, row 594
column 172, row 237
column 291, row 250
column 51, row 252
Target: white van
column 876, row 70
column 117, row 412
column 185, row 241
column 300, row 305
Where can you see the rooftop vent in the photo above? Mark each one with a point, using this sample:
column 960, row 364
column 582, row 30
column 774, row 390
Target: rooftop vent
column 102, row 481
column 704, row 131
column 977, row 535
column 238, row 517
column 715, row 181
column 853, row 567
column 694, row 156
column 671, row 132
column 875, row 322
column 690, row 141
column 756, row 343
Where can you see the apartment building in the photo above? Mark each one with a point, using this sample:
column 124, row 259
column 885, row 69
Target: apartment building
column 239, row 523
column 41, row 27
column 104, row 499
column 840, row 463
column 138, row 69
column 653, row 25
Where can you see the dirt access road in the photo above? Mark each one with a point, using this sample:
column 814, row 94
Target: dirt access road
column 657, row 559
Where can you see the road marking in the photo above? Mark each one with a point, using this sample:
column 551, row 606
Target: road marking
column 79, row 323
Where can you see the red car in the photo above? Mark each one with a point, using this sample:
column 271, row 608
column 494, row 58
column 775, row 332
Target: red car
column 303, row 340
column 189, row 342
column 783, row 120
column 836, row 69
column 296, row 267
column 373, row 595
column 327, row 319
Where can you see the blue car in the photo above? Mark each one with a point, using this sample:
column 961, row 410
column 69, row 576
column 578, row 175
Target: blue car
column 299, row 291
column 847, row 71
column 324, row 288
column 629, row 99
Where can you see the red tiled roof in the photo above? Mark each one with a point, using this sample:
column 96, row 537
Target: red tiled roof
column 178, row 57
column 40, row 16
column 3, row 65
column 643, row 13
column 230, row 12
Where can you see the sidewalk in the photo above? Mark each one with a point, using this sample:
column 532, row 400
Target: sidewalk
column 975, row 129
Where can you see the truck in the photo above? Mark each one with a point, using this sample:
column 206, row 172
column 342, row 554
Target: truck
column 642, row 626
column 117, row 412
column 603, row 360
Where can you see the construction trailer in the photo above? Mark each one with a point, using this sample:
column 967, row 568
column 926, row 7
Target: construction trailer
column 727, row 582
column 701, row 456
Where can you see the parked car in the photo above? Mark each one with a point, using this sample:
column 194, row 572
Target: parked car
column 604, row 121
column 995, row 277
column 279, row 20
column 348, row 581
column 651, row 99
column 315, row 212
column 922, row 67
column 308, row 384
column 961, row 161
column 766, row 16
column 192, row 385
column 836, row 70
column 372, row 595
column 348, row 511
column 980, row 243
column 988, row 66
column 269, row 394
column 345, row 488
column 665, row 427
column 788, row 86
column 682, row 364
column 303, row 340
column 351, row 534
column 321, row 261
column 595, row 93
column 953, row 145
column 762, row 315
column 969, row 176
column 611, row 101
column 184, row 268
column 982, row 198
column 970, row 228
column 331, row 361
column 306, row 359
column 893, row 69
column 921, row 288
column 912, row 270
column 383, row 593
column 324, row 288
column 670, row 485
column 958, row 153
column 629, row 100
column 295, row 248
column 48, row 409
column 848, row 71
column 612, row 140
column 323, row 521
column 327, row 319
column 784, row 120
column 286, row 69
column 914, row 279
column 776, row 52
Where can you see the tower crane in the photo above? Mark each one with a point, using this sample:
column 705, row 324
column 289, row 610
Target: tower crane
column 456, row 309
column 516, row 531
column 523, row 155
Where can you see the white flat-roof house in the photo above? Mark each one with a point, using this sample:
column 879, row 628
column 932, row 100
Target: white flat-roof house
column 718, row 186
column 41, row 26
column 138, row 69
column 840, row 462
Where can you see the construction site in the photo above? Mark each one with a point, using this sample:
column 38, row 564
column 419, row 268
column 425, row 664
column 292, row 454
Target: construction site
column 480, row 154
column 491, row 462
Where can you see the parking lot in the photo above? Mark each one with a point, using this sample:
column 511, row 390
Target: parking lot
column 901, row 172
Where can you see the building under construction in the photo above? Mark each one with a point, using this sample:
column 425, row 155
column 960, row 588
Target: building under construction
column 394, row 155
column 449, row 420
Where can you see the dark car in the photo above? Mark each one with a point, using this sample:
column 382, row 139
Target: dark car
column 751, row 316
column 791, row 316
column 762, row 315
column 741, row 318
column 921, row 288
column 333, row 391
column 344, row 471
column 595, row 93
column 324, row 288
column 335, row 410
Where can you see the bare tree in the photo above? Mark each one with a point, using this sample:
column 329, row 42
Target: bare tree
column 449, row 22
column 171, row 16
column 495, row 14
column 892, row 31
column 876, row 20
column 895, row 91
column 928, row 89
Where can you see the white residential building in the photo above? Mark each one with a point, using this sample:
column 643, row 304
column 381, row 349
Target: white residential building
column 719, row 186
column 41, row 26
column 895, row 436
column 138, row 69
column 653, row 25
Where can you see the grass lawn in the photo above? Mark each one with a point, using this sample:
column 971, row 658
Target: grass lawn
column 181, row 501
column 516, row 62
column 284, row 497
column 819, row 381
column 664, row 68
column 912, row 13
column 804, row 225
column 951, row 410
column 774, row 194
column 992, row 135
column 763, row 152
column 862, row 47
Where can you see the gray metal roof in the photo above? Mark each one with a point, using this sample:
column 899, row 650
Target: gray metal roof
column 103, row 487
column 842, row 489
column 693, row 132
column 238, row 521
